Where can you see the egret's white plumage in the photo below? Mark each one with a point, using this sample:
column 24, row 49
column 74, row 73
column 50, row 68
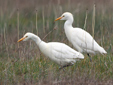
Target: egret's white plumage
column 81, row 40
column 58, row 52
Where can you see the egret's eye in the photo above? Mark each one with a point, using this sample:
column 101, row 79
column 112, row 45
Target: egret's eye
column 26, row 36
column 63, row 16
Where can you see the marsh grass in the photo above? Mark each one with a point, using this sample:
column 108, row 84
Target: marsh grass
column 24, row 64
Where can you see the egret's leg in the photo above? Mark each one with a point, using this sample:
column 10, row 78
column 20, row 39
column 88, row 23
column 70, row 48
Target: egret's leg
column 89, row 57
column 62, row 68
column 65, row 66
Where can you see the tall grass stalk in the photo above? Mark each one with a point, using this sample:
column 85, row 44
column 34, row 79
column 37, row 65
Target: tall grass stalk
column 85, row 20
column 48, row 34
column 101, row 29
column 18, row 24
column 36, row 22
column 6, row 41
column 93, row 24
column 43, row 17
column 93, row 21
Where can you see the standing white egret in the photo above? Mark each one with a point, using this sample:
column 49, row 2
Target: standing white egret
column 80, row 39
column 58, row 52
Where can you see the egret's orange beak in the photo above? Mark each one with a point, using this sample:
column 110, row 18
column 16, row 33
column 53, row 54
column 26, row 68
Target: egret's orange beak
column 58, row 18
column 21, row 39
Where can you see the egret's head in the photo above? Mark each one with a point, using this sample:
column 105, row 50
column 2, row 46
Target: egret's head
column 26, row 37
column 65, row 16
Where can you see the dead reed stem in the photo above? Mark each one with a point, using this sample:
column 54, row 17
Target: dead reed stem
column 93, row 25
column 101, row 28
column 18, row 24
column 36, row 22
column 85, row 20
column 37, row 32
column 93, row 21
column 43, row 17
column 5, row 40
column 48, row 34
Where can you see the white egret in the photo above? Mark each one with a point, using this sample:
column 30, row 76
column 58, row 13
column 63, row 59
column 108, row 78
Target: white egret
column 80, row 39
column 58, row 52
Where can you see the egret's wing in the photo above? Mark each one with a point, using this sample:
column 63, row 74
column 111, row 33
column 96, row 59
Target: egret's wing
column 84, row 40
column 62, row 51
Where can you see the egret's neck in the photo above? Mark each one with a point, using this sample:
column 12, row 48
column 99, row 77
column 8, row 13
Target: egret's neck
column 68, row 28
column 41, row 44
column 36, row 39
column 68, row 24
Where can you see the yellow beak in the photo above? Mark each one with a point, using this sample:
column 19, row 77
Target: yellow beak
column 58, row 18
column 21, row 39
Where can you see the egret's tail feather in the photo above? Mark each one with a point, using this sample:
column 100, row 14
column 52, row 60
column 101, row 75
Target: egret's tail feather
column 102, row 51
column 81, row 56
